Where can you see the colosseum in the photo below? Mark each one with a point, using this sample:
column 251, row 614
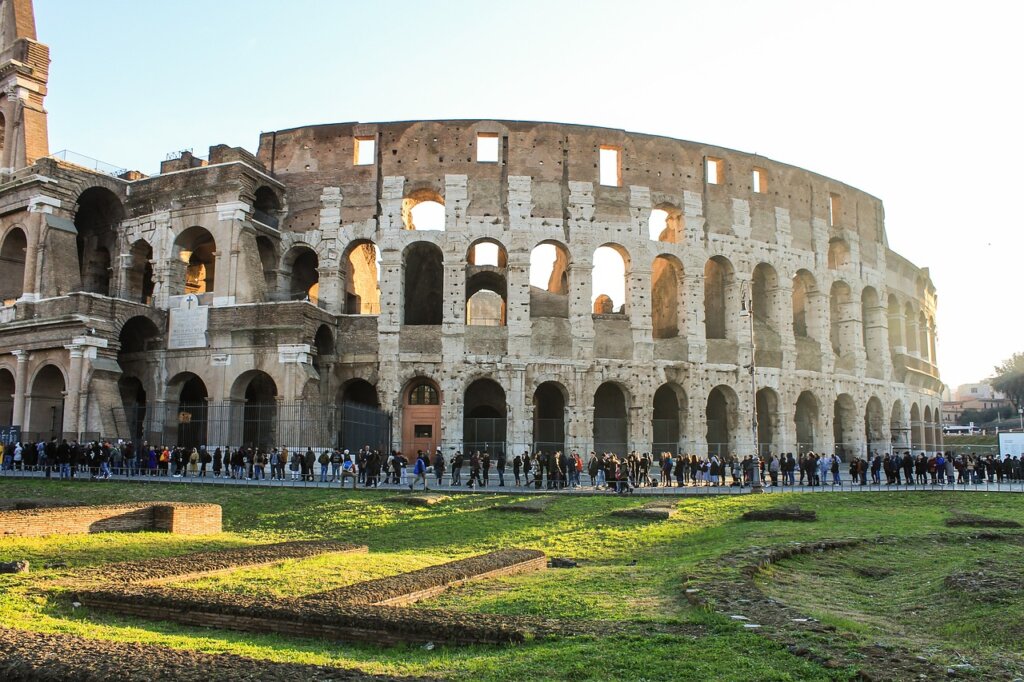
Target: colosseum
column 456, row 284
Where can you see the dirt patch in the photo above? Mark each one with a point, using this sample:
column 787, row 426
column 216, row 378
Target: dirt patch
column 536, row 505
column 974, row 521
column 413, row 586
column 990, row 582
column 35, row 503
column 38, row 657
column 781, row 514
column 873, row 572
column 205, row 563
column 657, row 510
column 419, row 500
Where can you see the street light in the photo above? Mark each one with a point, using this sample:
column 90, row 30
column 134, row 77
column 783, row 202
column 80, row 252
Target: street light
column 747, row 311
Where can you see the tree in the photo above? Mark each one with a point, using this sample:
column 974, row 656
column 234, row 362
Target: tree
column 1009, row 379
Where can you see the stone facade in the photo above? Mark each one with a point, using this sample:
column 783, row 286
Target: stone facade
column 308, row 270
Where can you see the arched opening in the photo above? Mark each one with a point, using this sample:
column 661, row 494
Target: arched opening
column 805, row 320
column 611, row 420
column 910, row 322
column 323, row 343
column 549, row 280
column 96, row 220
column 844, row 426
column 362, row 279
column 603, row 305
column 895, row 328
column 12, row 266
column 7, row 389
column 197, row 250
column 133, row 399
column 767, row 405
column 486, row 284
column 874, row 427
column 718, row 280
column 667, row 421
column 423, row 210
column 721, row 415
column 487, row 253
column 927, row 426
column 362, row 420
column 301, row 266
column 611, row 262
column 838, row 253
column 421, row 416
column 923, row 341
column 423, row 284
column 666, row 297
column 806, row 418
column 138, row 339
column 193, row 414
column 486, row 292
column 839, row 315
column 484, row 417
column 268, row 260
column 549, row 417
column 46, row 405
column 139, row 284
column 266, row 207
column 871, row 326
column 764, row 304
column 665, row 223
column 360, row 392
column 916, row 428
column 259, row 414
column 898, row 429
column 931, row 346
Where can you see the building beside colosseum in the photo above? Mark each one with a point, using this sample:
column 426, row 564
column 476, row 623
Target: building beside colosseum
column 431, row 284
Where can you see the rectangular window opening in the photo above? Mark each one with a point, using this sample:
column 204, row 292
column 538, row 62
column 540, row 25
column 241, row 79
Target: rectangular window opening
column 833, row 208
column 366, row 151
column 760, row 180
column 487, row 147
column 423, row 431
column 713, row 170
column 610, row 166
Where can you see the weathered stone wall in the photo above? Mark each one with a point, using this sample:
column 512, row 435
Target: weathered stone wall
column 862, row 303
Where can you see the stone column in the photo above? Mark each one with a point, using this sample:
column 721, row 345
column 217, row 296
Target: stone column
column 638, row 297
column 332, row 290
column 73, row 393
column 696, row 340
column 20, row 386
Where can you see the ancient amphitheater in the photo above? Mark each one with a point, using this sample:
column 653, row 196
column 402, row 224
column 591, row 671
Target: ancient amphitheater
column 432, row 284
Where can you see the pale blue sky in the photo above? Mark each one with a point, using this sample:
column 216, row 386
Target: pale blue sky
column 915, row 102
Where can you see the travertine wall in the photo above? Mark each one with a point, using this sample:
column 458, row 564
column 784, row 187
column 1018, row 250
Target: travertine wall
column 864, row 303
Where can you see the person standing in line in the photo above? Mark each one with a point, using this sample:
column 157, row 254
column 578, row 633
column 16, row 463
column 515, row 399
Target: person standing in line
column 517, row 465
column 485, row 463
column 501, row 468
column 419, row 471
column 474, row 469
column 457, row 468
column 325, row 461
column 439, row 466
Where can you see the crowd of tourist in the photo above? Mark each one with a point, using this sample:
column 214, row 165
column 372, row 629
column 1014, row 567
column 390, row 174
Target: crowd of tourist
column 551, row 470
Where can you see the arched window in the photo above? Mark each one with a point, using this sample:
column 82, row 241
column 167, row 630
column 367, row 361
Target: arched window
column 718, row 279
column 98, row 215
column 609, row 276
column 549, row 280
column 666, row 297
column 423, row 280
column 423, row 394
column 197, row 250
column 423, row 210
column 12, row 266
column 665, row 223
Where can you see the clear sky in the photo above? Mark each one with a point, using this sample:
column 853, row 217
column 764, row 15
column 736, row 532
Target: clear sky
column 918, row 103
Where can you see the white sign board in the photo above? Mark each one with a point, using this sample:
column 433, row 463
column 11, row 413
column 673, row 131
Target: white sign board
column 1011, row 444
column 188, row 324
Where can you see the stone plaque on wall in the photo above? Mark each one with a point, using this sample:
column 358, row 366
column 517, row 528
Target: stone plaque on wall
column 188, row 324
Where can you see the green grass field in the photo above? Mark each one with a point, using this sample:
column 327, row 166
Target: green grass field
column 631, row 576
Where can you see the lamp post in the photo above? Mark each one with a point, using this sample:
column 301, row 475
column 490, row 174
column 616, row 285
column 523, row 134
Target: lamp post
column 1020, row 411
column 747, row 311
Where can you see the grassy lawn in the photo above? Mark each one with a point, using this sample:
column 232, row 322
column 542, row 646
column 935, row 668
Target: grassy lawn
column 631, row 575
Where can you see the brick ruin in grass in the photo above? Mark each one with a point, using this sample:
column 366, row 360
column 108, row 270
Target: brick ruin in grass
column 181, row 518
column 364, row 612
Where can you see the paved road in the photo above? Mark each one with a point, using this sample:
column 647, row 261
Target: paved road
column 493, row 487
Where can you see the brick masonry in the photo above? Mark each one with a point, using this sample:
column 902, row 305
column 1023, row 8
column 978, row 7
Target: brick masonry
column 171, row 517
